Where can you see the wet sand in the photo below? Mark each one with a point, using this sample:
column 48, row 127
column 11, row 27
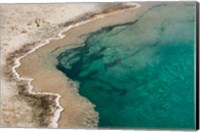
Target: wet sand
column 37, row 23
column 40, row 65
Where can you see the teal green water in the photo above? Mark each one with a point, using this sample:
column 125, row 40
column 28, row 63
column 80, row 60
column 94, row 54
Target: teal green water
column 140, row 74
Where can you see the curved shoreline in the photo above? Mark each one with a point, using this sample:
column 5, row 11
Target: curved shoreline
column 60, row 35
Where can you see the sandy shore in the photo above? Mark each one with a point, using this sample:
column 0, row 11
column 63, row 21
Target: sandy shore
column 38, row 68
column 21, row 26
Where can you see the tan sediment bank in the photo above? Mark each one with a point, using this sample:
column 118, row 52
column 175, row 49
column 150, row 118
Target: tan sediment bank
column 22, row 27
column 40, row 65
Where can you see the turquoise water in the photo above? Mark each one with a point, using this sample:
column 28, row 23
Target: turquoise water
column 139, row 74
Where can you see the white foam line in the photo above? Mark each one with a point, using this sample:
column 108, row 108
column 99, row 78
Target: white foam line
column 17, row 63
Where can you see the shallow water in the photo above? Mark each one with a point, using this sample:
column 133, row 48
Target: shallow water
column 139, row 74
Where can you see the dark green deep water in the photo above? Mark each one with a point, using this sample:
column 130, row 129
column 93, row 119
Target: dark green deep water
column 140, row 74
